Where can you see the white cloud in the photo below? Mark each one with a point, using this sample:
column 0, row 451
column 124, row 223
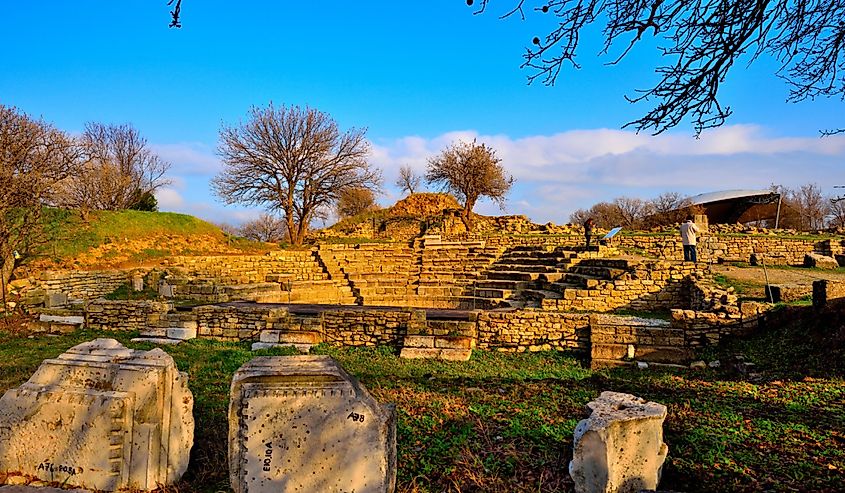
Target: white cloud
column 189, row 158
column 559, row 173
column 169, row 198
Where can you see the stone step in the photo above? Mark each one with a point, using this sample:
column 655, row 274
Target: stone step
column 511, row 267
column 502, row 284
column 159, row 341
column 302, row 348
column 513, row 276
column 539, row 294
column 436, row 353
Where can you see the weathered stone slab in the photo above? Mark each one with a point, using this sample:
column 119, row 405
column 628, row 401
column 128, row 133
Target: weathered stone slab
column 436, row 353
column 104, row 417
column 161, row 341
column 619, row 448
column 62, row 319
column 301, row 423
column 52, row 300
column 181, row 333
column 820, row 261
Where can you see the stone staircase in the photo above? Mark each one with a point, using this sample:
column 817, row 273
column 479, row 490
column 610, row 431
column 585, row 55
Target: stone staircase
column 527, row 276
column 289, row 276
column 376, row 274
column 449, row 270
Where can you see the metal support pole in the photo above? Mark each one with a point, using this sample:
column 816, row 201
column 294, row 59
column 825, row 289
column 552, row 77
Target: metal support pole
column 3, row 288
column 777, row 215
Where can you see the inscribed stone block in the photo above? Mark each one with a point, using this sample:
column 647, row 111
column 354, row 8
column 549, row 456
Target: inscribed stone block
column 104, row 417
column 301, row 423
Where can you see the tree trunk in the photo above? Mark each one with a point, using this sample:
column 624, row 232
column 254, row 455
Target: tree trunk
column 466, row 214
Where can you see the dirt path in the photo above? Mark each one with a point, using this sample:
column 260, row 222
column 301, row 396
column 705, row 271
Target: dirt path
column 754, row 278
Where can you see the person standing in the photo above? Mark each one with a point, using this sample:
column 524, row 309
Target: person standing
column 589, row 224
column 689, row 239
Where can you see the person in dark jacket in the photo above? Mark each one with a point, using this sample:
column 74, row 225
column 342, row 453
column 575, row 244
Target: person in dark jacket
column 589, row 224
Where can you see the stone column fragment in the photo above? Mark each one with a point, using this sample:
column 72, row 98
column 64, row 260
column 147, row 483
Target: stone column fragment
column 99, row 416
column 302, row 424
column 619, row 448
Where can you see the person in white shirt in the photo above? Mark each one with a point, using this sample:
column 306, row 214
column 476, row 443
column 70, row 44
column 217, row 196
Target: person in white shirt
column 689, row 239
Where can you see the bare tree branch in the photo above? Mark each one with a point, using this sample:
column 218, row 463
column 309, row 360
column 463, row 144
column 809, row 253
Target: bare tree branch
column 292, row 160
column 703, row 41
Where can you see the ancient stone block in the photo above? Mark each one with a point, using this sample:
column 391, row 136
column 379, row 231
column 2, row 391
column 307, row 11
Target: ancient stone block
column 53, row 300
column 619, row 448
column 182, row 333
column 104, row 417
column 301, row 423
column 820, row 261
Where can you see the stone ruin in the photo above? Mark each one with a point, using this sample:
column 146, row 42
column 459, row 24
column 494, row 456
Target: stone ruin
column 619, row 448
column 99, row 416
column 302, row 424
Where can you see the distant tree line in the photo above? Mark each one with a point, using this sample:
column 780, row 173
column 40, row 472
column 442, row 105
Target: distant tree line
column 635, row 213
column 108, row 167
column 804, row 208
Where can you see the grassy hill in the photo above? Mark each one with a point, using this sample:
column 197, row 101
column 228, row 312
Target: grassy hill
column 107, row 239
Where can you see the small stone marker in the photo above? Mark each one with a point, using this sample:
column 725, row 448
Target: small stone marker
column 100, row 416
column 302, row 424
column 619, row 448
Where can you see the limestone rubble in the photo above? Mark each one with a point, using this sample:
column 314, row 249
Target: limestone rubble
column 99, row 416
column 619, row 448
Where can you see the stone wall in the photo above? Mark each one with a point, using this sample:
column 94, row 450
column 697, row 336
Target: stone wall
column 533, row 330
column 653, row 285
column 124, row 315
column 80, row 285
column 774, row 250
column 826, row 290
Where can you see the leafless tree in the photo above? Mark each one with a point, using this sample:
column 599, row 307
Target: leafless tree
column 470, row 170
column 293, row 160
column 354, row 201
column 34, row 156
column 811, row 206
column 120, row 171
column 701, row 40
column 836, row 218
column 267, row 228
column 408, row 181
column 804, row 208
column 606, row 215
column 229, row 229
column 667, row 208
column 632, row 211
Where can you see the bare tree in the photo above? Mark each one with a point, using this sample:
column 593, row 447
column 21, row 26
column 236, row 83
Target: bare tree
column 354, row 201
column 120, row 172
column 33, row 157
column 408, row 181
column 293, row 160
column 632, row 211
column 811, row 206
column 837, row 213
column 470, row 171
column 701, row 40
column 266, row 228
column 667, row 208
column 229, row 229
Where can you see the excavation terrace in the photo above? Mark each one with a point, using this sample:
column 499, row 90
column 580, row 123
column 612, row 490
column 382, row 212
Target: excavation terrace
column 435, row 296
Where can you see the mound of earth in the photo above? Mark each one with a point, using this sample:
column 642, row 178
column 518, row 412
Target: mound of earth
column 424, row 205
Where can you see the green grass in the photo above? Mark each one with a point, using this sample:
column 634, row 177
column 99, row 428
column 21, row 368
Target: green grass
column 504, row 422
column 741, row 287
column 69, row 235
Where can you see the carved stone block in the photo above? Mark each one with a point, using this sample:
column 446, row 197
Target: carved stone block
column 103, row 417
column 301, row 423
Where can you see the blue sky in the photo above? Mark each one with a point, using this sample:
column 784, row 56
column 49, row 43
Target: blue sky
column 418, row 75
